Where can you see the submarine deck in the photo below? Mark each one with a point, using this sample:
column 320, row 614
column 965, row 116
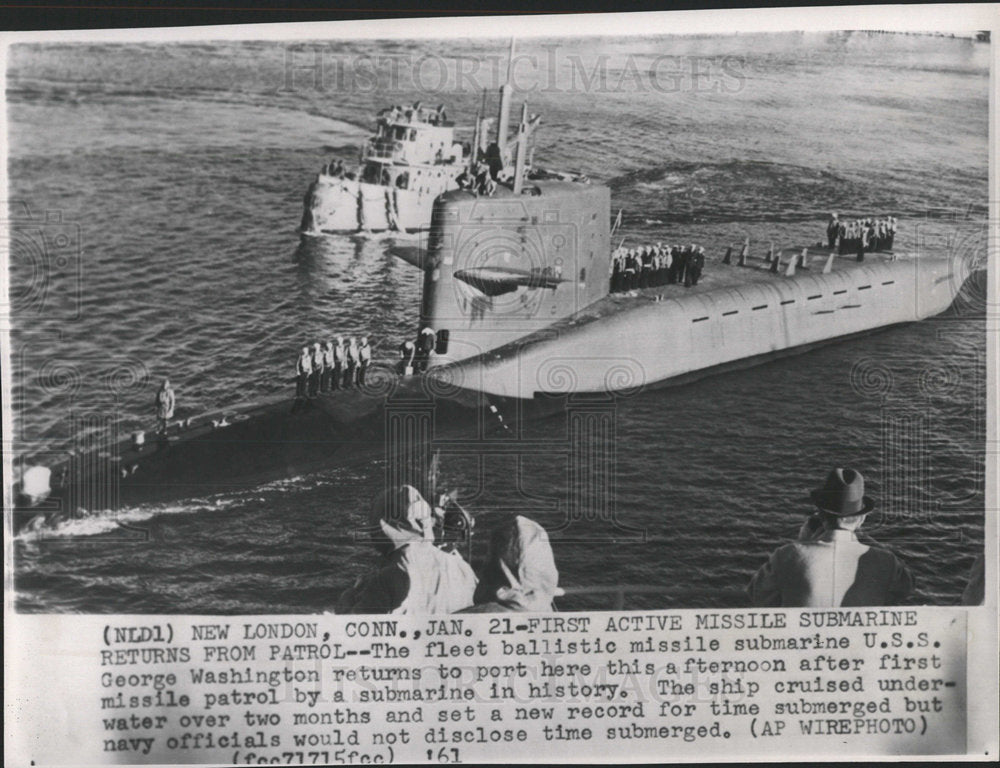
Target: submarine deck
column 716, row 276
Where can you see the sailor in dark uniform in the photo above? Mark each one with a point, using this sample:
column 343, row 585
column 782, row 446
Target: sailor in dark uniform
column 682, row 266
column 832, row 230
column 631, row 270
column 696, row 265
column 616, row 271
column 407, row 355
column 645, row 267
column 494, row 161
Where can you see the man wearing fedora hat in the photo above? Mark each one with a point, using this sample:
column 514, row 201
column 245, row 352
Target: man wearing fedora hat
column 828, row 566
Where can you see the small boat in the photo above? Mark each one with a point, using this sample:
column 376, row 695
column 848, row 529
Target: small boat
column 411, row 159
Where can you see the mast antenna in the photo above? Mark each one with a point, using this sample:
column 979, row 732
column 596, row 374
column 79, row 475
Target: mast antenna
column 503, row 119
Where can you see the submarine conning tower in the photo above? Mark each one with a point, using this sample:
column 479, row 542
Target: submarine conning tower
column 503, row 266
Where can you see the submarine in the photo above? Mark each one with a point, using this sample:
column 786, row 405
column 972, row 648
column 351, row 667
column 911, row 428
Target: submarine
column 516, row 316
column 560, row 330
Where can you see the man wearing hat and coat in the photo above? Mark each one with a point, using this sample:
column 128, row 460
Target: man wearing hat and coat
column 828, row 566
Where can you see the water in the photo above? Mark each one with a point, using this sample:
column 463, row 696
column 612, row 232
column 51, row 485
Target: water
column 180, row 171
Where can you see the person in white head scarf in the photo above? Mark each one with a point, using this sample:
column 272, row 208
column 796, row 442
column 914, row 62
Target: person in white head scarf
column 414, row 576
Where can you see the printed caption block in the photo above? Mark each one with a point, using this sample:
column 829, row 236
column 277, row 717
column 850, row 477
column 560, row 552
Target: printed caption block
column 507, row 687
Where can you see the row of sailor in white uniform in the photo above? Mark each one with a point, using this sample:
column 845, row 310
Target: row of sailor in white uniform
column 325, row 368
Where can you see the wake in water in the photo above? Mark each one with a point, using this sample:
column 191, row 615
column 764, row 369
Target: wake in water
column 105, row 521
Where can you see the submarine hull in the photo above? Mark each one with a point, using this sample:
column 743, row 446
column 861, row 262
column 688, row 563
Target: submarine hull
column 393, row 419
column 737, row 317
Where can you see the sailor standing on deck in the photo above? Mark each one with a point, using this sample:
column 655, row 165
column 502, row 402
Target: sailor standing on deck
column 662, row 263
column 425, row 345
column 165, row 402
column 631, row 270
column 696, row 265
column 645, row 266
column 675, row 261
column 350, row 363
column 303, row 369
column 682, row 267
column 316, row 376
column 336, row 374
column 325, row 384
column 828, row 566
column 364, row 360
column 407, row 355
column 832, row 230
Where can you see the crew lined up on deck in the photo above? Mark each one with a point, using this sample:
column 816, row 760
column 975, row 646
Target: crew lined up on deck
column 397, row 112
column 861, row 235
column 336, row 168
column 333, row 366
column 653, row 265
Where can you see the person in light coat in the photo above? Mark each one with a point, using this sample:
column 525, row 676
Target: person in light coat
column 520, row 572
column 414, row 576
column 829, row 566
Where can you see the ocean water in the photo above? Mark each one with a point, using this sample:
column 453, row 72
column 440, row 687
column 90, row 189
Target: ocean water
column 156, row 191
